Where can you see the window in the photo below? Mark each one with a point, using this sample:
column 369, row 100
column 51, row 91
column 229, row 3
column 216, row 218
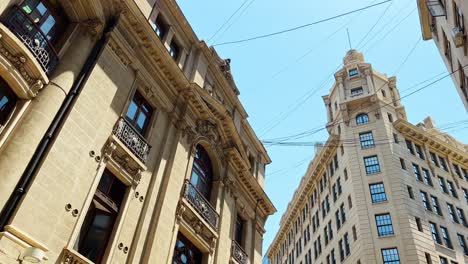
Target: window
column 335, row 196
column 435, row 233
column 362, row 119
column 451, row 189
column 461, row 216
column 443, row 260
column 160, row 27
column 395, row 138
column 458, row 17
column 410, row 192
column 435, row 205
column 337, row 219
column 338, row 184
column 347, row 246
column 340, row 245
column 345, row 172
column 7, row 103
column 367, row 140
column 377, row 191
column 354, row 233
column 417, row 172
column 390, row 117
column 174, row 50
column 425, row 201
column 350, row 202
column 443, row 164
column 447, row 49
column 353, row 72
column 239, row 231
column 427, row 177
column 457, row 170
column 139, row 113
column 185, row 251
column 384, row 225
column 402, row 164
column 446, row 237
column 202, row 174
column 390, row 256
column 465, row 194
column 100, row 219
column 434, row 159
column 418, row 224
column 372, row 164
column 330, row 230
column 462, row 241
column 356, row 91
column 409, row 146
column 343, row 213
column 419, row 151
column 452, row 214
column 442, row 185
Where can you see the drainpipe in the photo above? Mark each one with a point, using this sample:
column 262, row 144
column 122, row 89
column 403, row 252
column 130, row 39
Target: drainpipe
column 54, row 129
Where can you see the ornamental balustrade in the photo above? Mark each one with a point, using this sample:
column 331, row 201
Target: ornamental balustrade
column 238, row 254
column 201, row 205
column 24, row 27
column 132, row 139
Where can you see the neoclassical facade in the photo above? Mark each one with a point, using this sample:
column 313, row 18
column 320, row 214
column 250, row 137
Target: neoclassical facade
column 444, row 22
column 381, row 190
column 122, row 139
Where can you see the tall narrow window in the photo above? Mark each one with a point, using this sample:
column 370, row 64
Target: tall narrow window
column 451, row 188
column 461, row 216
column 435, row 233
column 446, row 237
column 239, row 231
column 462, row 241
column 362, row 119
column 419, row 151
column 409, row 146
column 100, row 218
column 139, row 113
column 417, row 172
column 443, row 164
column 174, row 50
column 372, row 164
column 427, row 177
column 434, row 159
column 425, row 201
column 347, row 246
column 160, row 27
column 435, row 205
column 442, row 185
column 452, row 214
column 202, row 174
column 7, row 103
column 185, row 252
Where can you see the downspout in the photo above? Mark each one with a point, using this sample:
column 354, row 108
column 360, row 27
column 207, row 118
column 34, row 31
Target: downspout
column 54, row 129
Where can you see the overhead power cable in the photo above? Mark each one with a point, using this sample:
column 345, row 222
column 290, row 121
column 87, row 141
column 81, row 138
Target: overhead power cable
column 301, row 26
column 407, row 56
column 375, row 24
column 229, row 19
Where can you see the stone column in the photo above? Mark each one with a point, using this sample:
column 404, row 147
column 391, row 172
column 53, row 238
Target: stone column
column 20, row 147
column 370, row 84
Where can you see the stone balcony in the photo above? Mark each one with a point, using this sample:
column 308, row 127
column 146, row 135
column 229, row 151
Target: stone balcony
column 238, row 254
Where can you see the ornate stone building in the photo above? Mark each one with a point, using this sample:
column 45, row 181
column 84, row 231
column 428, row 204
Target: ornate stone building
column 444, row 21
column 122, row 139
column 381, row 190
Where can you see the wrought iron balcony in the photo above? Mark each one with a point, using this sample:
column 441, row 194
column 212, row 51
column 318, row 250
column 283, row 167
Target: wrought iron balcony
column 23, row 26
column 130, row 137
column 238, row 254
column 201, row 205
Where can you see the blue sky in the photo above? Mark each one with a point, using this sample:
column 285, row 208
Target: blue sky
column 282, row 78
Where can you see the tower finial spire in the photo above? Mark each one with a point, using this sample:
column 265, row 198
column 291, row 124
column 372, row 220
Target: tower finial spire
column 349, row 39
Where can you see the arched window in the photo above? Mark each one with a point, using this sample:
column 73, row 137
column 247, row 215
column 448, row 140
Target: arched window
column 362, row 119
column 202, row 172
column 7, row 102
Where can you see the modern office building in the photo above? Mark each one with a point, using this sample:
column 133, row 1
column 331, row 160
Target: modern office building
column 381, row 190
column 444, row 22
column 122, row 139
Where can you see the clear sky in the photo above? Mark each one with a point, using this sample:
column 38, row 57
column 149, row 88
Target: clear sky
column 282, row 78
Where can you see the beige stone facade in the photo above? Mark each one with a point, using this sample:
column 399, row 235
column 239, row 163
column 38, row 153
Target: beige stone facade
column 154, row 101
column 361, row 198
column 444, row 22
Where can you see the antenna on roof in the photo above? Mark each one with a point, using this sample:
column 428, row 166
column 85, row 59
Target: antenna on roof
column 349, row 39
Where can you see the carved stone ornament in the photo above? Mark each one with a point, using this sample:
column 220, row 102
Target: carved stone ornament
column 118, row 51
column 180, row 212
column 212, row 244
column 207, row 129
column 197, row 226
column 93, row 27
column 108, row 150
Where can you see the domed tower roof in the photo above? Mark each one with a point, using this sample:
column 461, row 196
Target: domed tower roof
column 352, row 57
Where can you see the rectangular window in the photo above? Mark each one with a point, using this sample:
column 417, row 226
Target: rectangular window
column 338, row 184
column 367, row 140
column 435, row 233
column 160, row 27
column 409, row 146
column 139, row 113
column 419, row 151
column 427, row 177
column 353, row 72
column 337, row 219
column 334, row 194
column 446, row 237
column 402, row 164
column 395, row 138
column 372, row 164
column 442, row 184
column 174, row 50
column 443, row 260
column 340, row 245
column 343, row 214
column 425, row 201
column 384, row 225
column 330, row 230
column 462, row 241
column 452, row 214
column 390, row 117
column 354, row 233
column 435, row 205
column 410, row 192
column 443, row 164
column 457, row 170
column 434, row 159
column 451, row 189
column 465, row 194
column 390, row 256
column 461, row 216
column 377, row 191
column 347, row 246
column 417, row 172
column 419, row 224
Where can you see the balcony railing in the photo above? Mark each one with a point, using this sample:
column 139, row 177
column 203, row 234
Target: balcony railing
column 137, row 144
column 22, row 25
column 238, row 254
column 201, row 205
